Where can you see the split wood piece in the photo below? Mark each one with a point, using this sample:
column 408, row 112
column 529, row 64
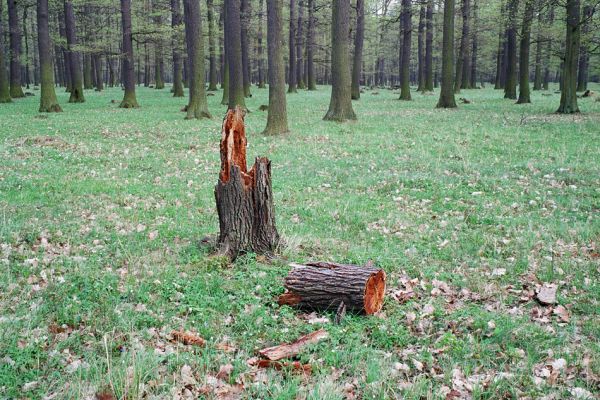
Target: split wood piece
column 188, row 338
column 323, row 285
column 282, row 351
column 244, row 198
column 295, row 366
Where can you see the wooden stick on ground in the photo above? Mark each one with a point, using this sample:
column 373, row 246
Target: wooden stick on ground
column 282, row 351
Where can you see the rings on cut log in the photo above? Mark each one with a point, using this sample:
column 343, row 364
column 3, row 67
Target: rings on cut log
column 244, row 198
column 324, row 285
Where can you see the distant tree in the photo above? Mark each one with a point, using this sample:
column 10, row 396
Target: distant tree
column 277, row 116
column 359, row 38
column 510, row 87
column 463, row 58
column 292, row 76
column 176, row 21
column 568, row 96
column 406, row 17
column 4, row 85
column 16, row 91
column 340, row 105
column 212, row 49
column 429, row 47
column 524, row 93
column 198, row 105
column 129, row 98
column 550, row 18
column 233, row 45
column 159, row 67
column 310, row 47
column 584, row 54
column 475, row 44
column 447, row 99
column 74, row 58
column 260, row 49
column 225, row 70
column 299, row 59
column 245, row 17
column 48, row 101
column 421, row 50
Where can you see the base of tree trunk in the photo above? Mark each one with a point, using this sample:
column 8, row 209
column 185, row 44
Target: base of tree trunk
column 324, row 285
column 50, row 108
column 244, row 198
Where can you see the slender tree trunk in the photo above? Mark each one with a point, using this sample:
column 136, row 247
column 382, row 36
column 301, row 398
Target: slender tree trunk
column 74, row 57
column 98, row 68
column 198, row 105
column 406, row 42
column 87, row 72
column 292, row 76
column 474, row 49
column 16, row 91
column 584, row 56
column 510, row 89
column 359, row 37
column 4, row 83
column 429, row 47
column 568, row 96
column 277, row 117
column 447, row 99
column 129, row 98
column 299, row 59
column 537, row 77
column 310, row 47
column 177, row 70
column 159, row 80
column 524, row 94
column 26, row 41
column 548, row 50
column 499, row 60
column 225, row 98
column 233, row 44
column 212, row 50
column 462, row 63
column 421, row 50
column 340, row 105
column 261, row 55
column 245, row 28
column 48, row 101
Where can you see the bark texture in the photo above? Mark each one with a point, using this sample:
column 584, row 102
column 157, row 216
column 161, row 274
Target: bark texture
column 510, row 87
column 177, row 66
column 74, row 56
column 447, row 99
column 198, row 104
column 244, row 197
column 340, row 104
column 16, row 91
column 310, row 47
column 429, row 47
column 359, row 38
column 406, row 42
column 277, row 117
column 524, row 91
column 324, row 285
column 568, row 96
column 48, row 101
column 234, row 54
column 129, row 98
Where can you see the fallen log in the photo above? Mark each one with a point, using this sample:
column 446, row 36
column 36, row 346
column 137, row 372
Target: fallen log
column 324, row 285
column 244, row 197
column 286, row 350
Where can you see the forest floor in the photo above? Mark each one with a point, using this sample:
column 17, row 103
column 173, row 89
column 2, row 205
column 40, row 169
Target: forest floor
column 468, row 211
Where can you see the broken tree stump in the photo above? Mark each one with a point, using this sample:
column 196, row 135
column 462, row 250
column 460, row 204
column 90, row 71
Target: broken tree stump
column 244, row 198
column 324, row 285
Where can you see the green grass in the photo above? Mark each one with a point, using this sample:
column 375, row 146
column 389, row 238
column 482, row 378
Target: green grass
column 451, row 195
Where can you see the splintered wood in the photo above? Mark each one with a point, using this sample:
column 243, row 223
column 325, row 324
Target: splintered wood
column 324, row 285
column 282, row 351
column 244, row 197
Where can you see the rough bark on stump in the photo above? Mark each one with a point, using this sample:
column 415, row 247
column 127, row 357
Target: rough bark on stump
column 244, row 198
column 323, row 285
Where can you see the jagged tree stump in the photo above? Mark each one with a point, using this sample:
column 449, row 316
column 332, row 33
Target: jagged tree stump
column 324, row 285
column 244, row 198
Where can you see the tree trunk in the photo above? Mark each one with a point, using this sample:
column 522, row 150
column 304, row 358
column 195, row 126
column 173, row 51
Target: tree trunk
column 568, row 96
column 277, row 117
column 245, row 28
column 429, row 47
column 524, row 94
column 299, row 59
column 584, row 56
column 510, row 88
column 420, row 50
column 244, row 198
column 324, row 285
column 447, row 99
column 537, row 77
column 87, row 72
column 406, row 42
column 159, row 79
column 212, row 50
column 129, row 98
column 310, row 47
column 548, row 50
column 474, row 48
column 462, row 63
column 26, row 41
column 359, row 38
column 499, row 60
column 261, row 55
column 225, row 98
column 340, row 105
column 16, row 91
column 292, row 76
column 198, row 104
column 97, row 58
column 4, row 83
column 48, row 101
column 74, row 58
column 233, row 44
column 177, row 66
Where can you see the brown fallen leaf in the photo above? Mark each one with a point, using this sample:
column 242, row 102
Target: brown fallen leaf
column 224, row 372
column 226, row 347
column 105, row 395
column 562, row 313
column 188, row 338
column 546, row 294
column 290, row 350
column 295, row 366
